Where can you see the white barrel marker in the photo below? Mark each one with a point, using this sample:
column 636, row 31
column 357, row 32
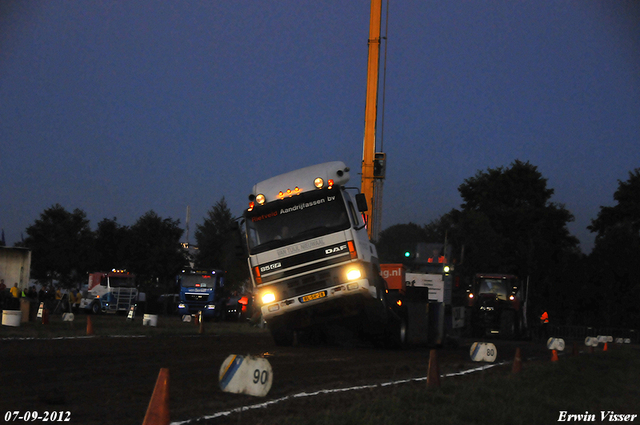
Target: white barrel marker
column 556, row 344
column 483, row 352
column 591, row 341
column 246, row 375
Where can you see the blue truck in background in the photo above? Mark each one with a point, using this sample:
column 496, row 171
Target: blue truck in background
column 202, row 291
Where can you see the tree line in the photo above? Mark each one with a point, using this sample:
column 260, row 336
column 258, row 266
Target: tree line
column 65, row 248
column 508, row 224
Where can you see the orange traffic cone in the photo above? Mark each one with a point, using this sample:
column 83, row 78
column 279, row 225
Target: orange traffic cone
column 433, row 377
column 158, row 410
column 606, row 347
column 45, row 316
column 517, row 362
column 89, row 326
column 554, row 355
column 196, row 318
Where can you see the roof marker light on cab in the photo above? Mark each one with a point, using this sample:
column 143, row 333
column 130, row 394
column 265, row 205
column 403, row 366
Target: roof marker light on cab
column 318, row 183
column 260, row 199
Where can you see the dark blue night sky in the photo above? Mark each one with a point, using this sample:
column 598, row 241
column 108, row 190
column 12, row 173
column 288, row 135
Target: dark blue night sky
column 118, row 108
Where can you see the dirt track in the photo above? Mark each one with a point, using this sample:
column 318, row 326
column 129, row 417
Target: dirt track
column 109, row 380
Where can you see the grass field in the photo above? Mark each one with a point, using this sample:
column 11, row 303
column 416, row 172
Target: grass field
column 592, row 384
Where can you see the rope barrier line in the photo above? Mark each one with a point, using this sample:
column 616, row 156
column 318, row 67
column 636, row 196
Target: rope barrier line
column 330, row 391
column 58, row 338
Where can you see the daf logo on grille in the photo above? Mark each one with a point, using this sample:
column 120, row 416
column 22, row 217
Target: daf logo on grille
column 334, row 250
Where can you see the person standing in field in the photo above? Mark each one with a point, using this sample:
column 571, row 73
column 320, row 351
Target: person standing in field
column 15, row 294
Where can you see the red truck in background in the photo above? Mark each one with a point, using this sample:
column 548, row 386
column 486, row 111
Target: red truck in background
column 110, row 292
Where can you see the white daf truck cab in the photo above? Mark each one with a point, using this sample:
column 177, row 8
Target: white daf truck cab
column 310, row 256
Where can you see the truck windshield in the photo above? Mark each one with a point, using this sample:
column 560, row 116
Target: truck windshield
column 498, row 287
column 294, row 219
column 121, row 282
column 192, row 280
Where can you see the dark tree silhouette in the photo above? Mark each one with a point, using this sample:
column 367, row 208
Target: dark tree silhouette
column 62, row 246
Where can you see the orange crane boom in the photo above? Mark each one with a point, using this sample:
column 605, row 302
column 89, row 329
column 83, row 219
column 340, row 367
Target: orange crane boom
column 368, row 186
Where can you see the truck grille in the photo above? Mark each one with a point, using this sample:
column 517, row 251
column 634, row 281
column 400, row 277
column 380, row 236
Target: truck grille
column 303, row 263
column 196, row 297
column 310, row 283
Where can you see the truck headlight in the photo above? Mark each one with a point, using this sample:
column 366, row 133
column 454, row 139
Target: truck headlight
column 182, row 305
column 268, row 297
column 354, row 274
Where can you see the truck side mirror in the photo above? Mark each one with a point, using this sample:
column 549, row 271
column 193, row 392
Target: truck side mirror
column 361, row 201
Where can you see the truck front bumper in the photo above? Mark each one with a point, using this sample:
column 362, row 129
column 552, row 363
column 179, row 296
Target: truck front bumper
column 344, row 297
column 208, row 310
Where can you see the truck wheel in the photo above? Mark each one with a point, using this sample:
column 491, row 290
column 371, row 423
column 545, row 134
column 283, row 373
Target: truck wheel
column 507, row 324
column 397, row 334
column 95, row 308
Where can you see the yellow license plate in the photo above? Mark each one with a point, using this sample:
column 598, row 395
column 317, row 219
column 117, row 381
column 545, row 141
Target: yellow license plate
column 315, row 296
